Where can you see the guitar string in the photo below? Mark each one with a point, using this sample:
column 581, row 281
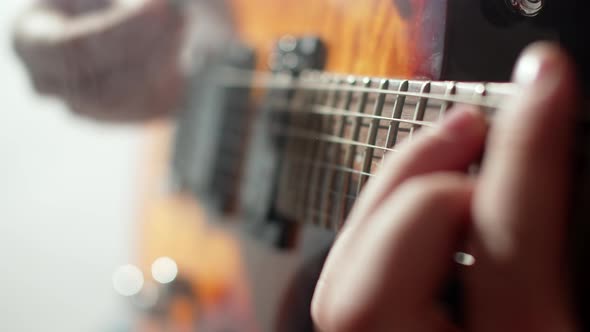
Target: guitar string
column 254, row 79
column 311, row 211
column 335, row 167
column 319, row 87
column 272, row 82
column 328, row 138
column 349, row 197
column 331, row 87
column 251, row 79
column 327, row 110
column 314, row 211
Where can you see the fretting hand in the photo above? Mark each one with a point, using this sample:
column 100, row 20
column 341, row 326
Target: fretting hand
column 387, row 267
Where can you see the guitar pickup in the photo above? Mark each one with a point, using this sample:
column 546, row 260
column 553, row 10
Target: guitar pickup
column 258, row 202
column 213, row 128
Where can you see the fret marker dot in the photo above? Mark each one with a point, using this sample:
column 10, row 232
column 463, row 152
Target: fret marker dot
column 480, row 89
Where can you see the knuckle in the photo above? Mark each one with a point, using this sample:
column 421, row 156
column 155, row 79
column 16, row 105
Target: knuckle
column 436, row 190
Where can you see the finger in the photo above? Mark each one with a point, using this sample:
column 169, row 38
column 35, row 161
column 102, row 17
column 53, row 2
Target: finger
column 453, row 146
column 435, row 151
column 398, row 263
column 521, row 201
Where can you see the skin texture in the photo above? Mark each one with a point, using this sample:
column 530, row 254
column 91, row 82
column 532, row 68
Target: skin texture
column 389, row 263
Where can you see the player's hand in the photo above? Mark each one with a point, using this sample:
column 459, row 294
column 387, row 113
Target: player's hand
column 108, row 59
column 389, row 264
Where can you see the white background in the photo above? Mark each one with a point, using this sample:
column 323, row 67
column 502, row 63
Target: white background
column 67, row 206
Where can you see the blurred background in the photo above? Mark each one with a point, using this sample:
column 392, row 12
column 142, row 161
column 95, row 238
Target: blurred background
column 68, row 202
column 94, row 234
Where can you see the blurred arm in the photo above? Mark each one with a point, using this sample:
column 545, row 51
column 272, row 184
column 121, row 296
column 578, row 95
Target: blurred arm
column 113, row 60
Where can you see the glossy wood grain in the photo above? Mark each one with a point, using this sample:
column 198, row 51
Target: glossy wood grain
column 398, row 38
column 394, row 38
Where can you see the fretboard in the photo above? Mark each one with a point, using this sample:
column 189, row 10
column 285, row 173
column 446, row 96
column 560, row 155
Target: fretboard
column 339, row 130
column 336, row 131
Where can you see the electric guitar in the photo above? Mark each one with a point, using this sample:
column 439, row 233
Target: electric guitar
column 285, row 110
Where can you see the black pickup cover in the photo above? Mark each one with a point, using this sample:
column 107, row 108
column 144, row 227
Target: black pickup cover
column 211, row 132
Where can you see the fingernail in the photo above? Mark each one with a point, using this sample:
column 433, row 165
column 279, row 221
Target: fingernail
column 540, row 64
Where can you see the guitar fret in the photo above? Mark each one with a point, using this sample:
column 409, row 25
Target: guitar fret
column 352, row 149
column 328, row 111
column 327, row 152
column 327, row 215
column 446, row 105
column 480, row 91
column 312, row 211
column 342, row 185
column 299, row 187
column 314, row 136
column 333, row 167
column 342, row 130
column 372, row 136
column 420, row 108
column 308, row 148
column 318, row 153
column 333, row 155
column 398, row 108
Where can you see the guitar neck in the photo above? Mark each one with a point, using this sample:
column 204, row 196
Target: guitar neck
column 339, row 129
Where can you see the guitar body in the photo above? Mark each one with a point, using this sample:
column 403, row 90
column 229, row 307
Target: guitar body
column 377, row 37
column 236, row 280
column 274, row 286
column 387, row 38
